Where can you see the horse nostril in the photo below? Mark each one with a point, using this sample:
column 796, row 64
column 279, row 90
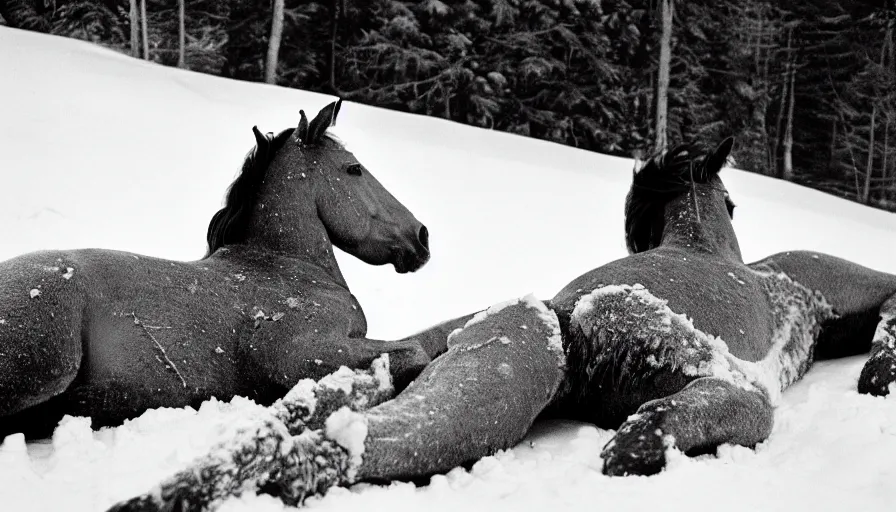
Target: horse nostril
column 423, row 236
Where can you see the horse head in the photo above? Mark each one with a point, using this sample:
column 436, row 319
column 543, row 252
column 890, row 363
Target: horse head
column 302, row 191
column 361, row 216
column 680, row 190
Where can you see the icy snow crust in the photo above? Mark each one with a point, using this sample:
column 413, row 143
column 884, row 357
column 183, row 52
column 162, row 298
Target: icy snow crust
column 651, row 332
column 100, row 150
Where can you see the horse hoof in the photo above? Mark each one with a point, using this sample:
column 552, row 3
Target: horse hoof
column 637, row 449
column 877, row 375
column 625, row 463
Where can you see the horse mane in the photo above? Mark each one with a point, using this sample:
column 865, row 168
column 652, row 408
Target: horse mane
column 663, row 178
column 228, row 225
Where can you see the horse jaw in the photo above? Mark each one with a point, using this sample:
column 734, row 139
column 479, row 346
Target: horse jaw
column 406, row 251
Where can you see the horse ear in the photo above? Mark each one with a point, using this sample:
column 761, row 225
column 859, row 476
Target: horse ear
column 260, row 140
column 324, row 119
column 301, row 135
column 719, row 156
column 336, row 111
column 262, row 143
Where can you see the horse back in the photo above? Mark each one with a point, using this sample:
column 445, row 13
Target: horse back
column 151, row 332
column 634, row 333
column 849, row 287
column 722, row 298
column 199, row 326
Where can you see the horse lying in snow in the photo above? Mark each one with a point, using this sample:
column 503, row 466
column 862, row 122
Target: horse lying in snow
column 629, row 356
column 108, row 334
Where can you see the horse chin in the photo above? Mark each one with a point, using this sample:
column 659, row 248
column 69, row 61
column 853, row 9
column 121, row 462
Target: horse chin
column 408, row 261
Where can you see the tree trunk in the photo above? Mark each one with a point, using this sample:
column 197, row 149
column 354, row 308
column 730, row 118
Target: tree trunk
column 833, row 150
column 662, row 86
column 181, row 34
column 135, row 30
column 334, row 26
column 788, row 133
column 869, row 166
column 775, row 170
column 143, row 30
column 270, row 65
column 883, row 164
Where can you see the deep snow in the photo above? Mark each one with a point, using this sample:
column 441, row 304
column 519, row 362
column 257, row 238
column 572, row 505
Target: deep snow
column 99, row 150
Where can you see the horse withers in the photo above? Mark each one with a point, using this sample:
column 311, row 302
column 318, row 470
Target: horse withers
column 110, row 334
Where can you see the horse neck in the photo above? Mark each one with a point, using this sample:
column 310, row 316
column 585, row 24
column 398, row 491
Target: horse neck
column 701, row 225
column 285, row 221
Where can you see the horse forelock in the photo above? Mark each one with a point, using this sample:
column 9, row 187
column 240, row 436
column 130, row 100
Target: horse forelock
column 661, row 179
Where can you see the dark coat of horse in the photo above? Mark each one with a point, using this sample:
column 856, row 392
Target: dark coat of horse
column 713, row 376
column 630, row 359
column 109, row 334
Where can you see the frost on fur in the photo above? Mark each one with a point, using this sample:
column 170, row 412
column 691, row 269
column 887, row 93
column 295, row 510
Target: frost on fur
column 285, row 446
column 629, row 326
column 879, row 373
column 554, row 341
column 309, row 403
column 798, row 314
column 636, row 334
column 885, row 334
column 348, row 428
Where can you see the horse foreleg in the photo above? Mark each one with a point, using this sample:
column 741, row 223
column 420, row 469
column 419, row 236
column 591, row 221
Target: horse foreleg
column 286, row 441
column 500, row 371
column 707, row 413
column 434, row 340
column 271, row 360
column 879, row 371
column 482, row 395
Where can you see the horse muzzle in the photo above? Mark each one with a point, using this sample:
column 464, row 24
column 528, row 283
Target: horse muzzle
column 413, row 256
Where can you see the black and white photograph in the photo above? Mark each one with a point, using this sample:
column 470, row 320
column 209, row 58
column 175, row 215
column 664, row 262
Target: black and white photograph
column 447, row 255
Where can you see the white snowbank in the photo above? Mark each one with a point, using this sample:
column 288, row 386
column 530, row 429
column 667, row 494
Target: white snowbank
column 100, row 150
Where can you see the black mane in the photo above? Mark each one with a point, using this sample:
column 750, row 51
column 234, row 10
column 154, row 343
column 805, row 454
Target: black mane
column 228, row 225
column 663, row 178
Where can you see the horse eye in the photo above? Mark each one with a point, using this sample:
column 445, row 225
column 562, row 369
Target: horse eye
column 354, row 169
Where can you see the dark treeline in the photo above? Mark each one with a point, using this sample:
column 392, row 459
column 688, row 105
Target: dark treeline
column 808, row 88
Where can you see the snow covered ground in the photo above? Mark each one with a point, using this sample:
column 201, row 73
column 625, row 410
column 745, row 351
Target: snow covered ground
column 99, row 150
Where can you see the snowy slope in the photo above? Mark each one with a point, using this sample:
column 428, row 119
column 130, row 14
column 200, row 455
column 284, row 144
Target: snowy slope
column 99, row 150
